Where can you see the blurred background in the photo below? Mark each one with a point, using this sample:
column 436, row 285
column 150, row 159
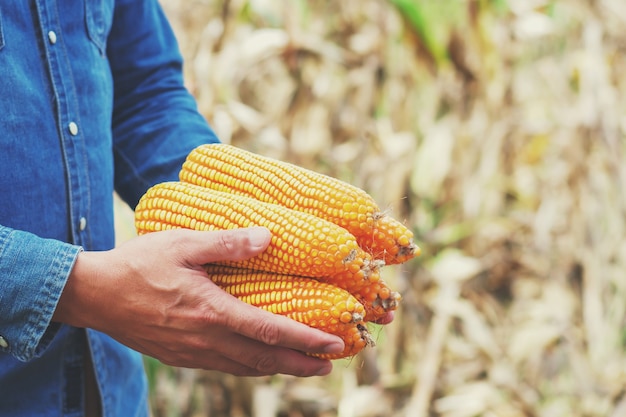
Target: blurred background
column 496, row 130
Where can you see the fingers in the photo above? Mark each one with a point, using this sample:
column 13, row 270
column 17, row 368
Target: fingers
column 268, row 328
column 238, row 244
column 243, row 356
column 219, row 347
column 232, row 245
column 275, row 330
column 261, row 360
column 272, row 362
column 386, row 319
column 211, row 329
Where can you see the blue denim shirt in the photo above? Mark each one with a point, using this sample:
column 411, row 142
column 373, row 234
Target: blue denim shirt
column 91, row 101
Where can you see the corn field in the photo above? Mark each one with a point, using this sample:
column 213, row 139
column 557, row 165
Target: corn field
column 496, row 129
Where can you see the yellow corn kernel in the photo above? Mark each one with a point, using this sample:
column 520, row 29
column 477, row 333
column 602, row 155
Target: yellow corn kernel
column 390, row 241
column 323, row 249
column 308, row 301
column 378, row 299
column 227, row 168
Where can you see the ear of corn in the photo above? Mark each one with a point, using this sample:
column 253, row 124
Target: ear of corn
column 301, row 243
column 377, row 299
column 390, row 241
column 308, row 301
column 227, row 168
column 329, row 239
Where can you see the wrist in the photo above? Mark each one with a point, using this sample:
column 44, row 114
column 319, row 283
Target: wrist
column 79, row 295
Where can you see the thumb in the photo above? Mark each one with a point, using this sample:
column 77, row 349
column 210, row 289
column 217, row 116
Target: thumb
column 230, row 245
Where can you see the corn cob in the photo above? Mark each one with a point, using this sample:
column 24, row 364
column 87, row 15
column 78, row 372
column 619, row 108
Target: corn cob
column 301, row 244
column 308, row 301
column 390, row 241
column 377, row 299
column 227, row 168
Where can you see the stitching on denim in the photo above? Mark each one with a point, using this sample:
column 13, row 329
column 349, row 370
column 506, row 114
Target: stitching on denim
column 1, row 33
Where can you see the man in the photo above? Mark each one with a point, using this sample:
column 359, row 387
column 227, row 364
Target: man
column 92, row 100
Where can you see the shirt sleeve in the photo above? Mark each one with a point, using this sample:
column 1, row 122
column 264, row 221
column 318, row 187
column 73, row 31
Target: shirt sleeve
column 34, row 272
column 155, row 119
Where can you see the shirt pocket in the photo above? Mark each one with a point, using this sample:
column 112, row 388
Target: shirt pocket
column 98, row 20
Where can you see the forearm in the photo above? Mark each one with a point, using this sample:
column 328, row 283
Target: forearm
column 33, row 273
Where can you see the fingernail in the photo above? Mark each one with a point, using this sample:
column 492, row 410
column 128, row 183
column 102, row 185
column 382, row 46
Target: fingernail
column 258, row 236
column 334, row 347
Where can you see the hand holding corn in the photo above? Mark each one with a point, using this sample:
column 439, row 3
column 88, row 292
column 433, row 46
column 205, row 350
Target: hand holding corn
column 329, row 238
column 152, row 294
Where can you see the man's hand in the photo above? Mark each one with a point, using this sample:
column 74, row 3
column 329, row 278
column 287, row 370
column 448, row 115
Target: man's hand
column 152, row 295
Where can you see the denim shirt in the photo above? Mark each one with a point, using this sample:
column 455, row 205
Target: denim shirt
column 92, row 100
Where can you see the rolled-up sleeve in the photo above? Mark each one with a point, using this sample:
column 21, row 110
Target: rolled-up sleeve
column 33, row 273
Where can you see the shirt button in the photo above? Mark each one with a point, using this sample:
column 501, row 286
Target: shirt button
column 3, row 343
column 73, row 127
column 82, row 224
column 52, row 37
